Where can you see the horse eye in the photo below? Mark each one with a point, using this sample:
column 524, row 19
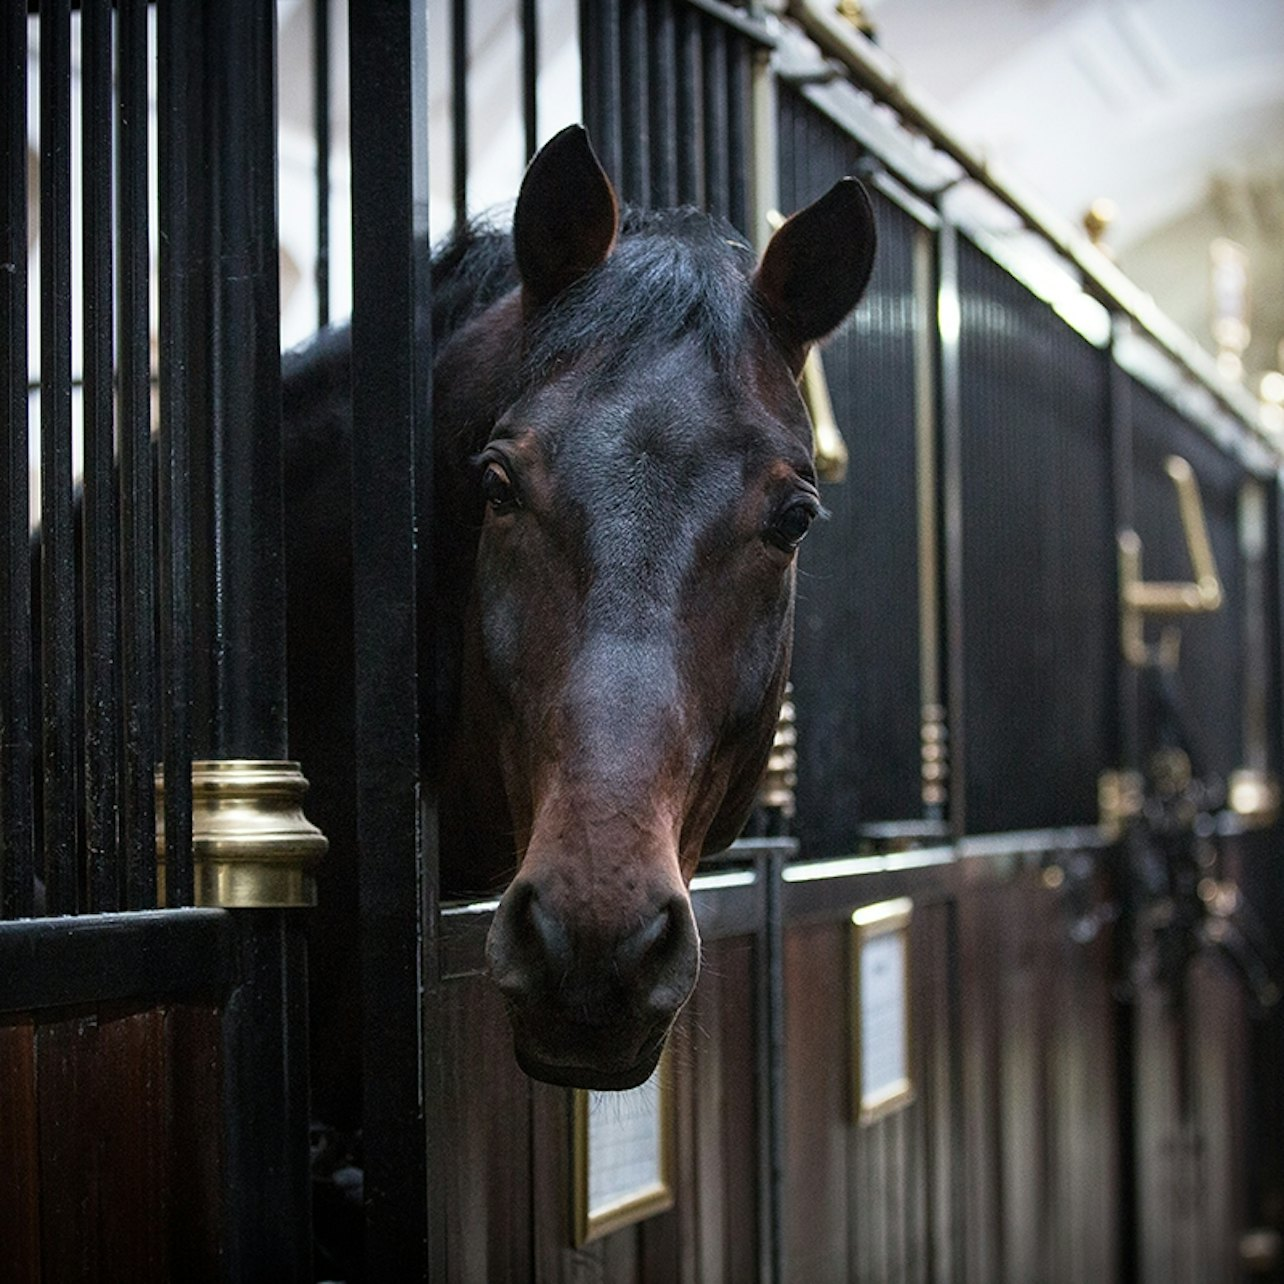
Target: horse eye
column 497, row 490
column 791, row 525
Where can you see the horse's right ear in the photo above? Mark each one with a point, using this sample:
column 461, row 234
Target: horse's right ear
column 816, row 267
column 567, row 216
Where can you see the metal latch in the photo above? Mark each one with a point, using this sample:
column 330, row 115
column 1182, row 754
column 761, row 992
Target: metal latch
column 1138, row 599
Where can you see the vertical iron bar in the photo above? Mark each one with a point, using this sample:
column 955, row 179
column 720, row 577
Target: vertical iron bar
column 57, row 560
column 17, row 827
column 664, row 105
column 459, row 105
column 138, row 557
column 716, row 169
column 738, row 161
column 530, row 75
column 390, row 409
column 947, row 320
column 239, row 566
column 600, row 76
column 99, row 527
column 321, row 123
column 176, row 210
column 635, row 116
column 690, row 132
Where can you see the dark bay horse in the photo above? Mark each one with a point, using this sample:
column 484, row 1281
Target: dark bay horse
column 624, row 473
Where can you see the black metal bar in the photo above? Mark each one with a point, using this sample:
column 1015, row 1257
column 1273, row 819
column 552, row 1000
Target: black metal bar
column 664, row 105
column 99, row 525
column 739, row 163
column 951, row 458
column 238, row 561
column 321, row 126
column 175, row 55
column 459, row 105
column 530, row 76
column 137, row 508
column 17, row 827
column 600, row 75
column 690, row 129
column 635, row 114
column 57, row 555
column 390, row 403
column 265, row 1104
column 157, row 953
column 716, row 168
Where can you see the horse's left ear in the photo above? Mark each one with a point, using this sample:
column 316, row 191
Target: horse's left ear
column 816, row 268
column 566, row 216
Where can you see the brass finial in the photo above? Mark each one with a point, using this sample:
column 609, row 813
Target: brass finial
column 252, row 847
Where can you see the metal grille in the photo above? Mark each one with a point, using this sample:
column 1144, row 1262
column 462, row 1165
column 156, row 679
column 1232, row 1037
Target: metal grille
column 856, row 651
column 1211, row 673
column 1039, row 632
column 666, row 102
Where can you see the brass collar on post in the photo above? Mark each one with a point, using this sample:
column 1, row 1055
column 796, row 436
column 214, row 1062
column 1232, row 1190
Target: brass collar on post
column 252, row 847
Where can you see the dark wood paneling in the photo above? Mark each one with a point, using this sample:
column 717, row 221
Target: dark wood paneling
column 817, row 1103
column 864, row 1201
column 67, row 1095
column 1039, row 1105
column 1190, row 1124
column 194, row 1053
column 19, row 1191
column 111, row 1127
column 509, row 1146
column 133, row 1155
column 487, row 1119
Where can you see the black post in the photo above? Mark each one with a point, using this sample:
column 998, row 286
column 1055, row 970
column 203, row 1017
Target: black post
column 321, row 126
column 99, row 527
column 138, row 556
column 17, row 831
column 221, row 324
column 57, row 552
column 391, row 369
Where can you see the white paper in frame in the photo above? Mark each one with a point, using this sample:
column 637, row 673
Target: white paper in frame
column 881, row 1079
column 622, row 1166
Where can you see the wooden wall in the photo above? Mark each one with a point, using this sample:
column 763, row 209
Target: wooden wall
column 508, row 1143
column 110, row 1129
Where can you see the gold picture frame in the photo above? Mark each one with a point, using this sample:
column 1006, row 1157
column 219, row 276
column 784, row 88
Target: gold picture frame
column 882, row 1081
column 650, row 1130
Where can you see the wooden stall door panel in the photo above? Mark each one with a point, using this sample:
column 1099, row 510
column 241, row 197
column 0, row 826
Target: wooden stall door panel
column 1084, row 1178
column 1219, row 1042
column 982, row 932
column 720, row 1053
column 487, row 1114
column 19, row 1144
column 817, row 1104
column 194, row 1054
column 134, row 1168
column 67, row 1088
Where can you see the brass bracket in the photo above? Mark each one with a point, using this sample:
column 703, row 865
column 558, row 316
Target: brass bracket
column 1138, row 599
column 827, row 439
column 252, row 846
column 1120, row 797
column 780, row 778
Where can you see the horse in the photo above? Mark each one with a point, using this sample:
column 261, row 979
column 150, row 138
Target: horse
column 623, row 475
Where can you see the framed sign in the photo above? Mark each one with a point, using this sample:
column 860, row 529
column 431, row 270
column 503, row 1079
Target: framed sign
column 623, row 1154
column 881, row 1079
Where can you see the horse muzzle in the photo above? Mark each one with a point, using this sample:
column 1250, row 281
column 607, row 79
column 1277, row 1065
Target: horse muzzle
column 591, row 1000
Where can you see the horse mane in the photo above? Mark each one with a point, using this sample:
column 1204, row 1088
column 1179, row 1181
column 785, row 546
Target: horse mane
column 674, row 273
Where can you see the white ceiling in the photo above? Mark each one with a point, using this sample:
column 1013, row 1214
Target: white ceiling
column 1172, row 108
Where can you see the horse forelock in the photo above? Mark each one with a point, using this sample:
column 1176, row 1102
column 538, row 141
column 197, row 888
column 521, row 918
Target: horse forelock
column 675, row 274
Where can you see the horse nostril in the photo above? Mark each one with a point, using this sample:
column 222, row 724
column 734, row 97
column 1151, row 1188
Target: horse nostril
column 551, row 934
column 634, row 949
column 667, row 949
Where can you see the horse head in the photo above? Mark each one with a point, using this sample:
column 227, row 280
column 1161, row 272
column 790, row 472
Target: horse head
column 646, row 478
